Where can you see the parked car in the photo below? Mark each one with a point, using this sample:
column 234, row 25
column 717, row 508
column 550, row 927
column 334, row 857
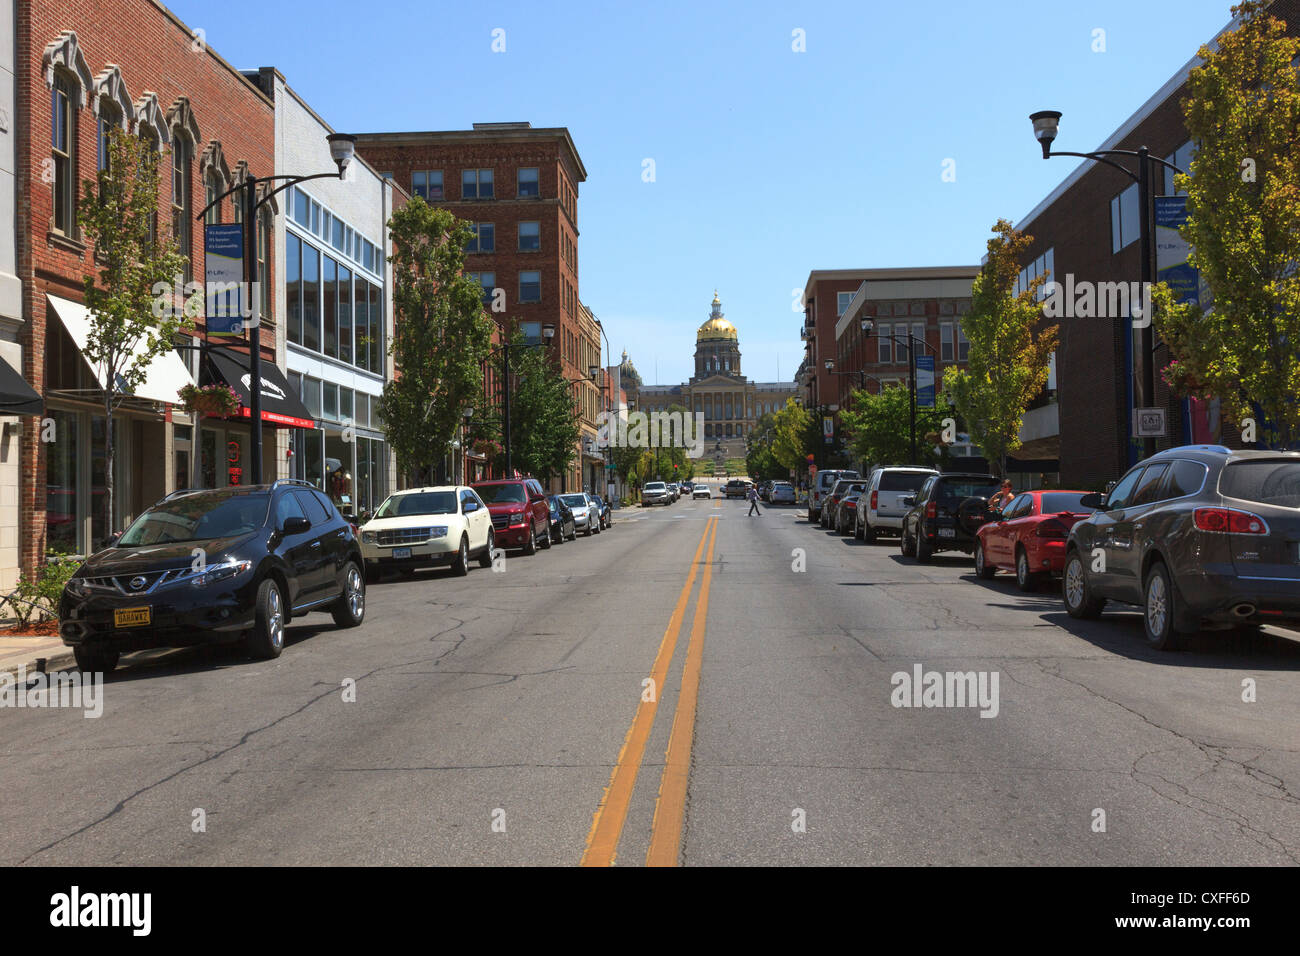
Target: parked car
column 846, row 515
column 1028, row 536
column 521, row 517
column 562, row 524
column 765, row 490
column 946, row 513
column 831, row 503
column 783, row 493
column 1199, row 537
column 882, row 509
column 674, row 490
column 736, row 488
column 604, row 510
column 821, row 486
column 269, row 553
column 425, row 528
column 654, row 493
column 586, row 516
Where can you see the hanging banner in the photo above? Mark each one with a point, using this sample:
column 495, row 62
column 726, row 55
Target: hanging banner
column 828, row 430
column 223, row 274
column 925, row 381
column 1201, row 418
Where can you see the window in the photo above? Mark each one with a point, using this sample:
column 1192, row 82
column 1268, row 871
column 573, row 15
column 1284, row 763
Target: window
column 293, row 285
column 484, row 238
column 1120, row 494
column 337, row 239
column 311, row 301
column 330, row 286
column 530, row 236
column 109, row 116
column 211, row 190
column 345, row 315
column 1185, row 478
column 330, row 409
column 311, row 395
column 1044, row 265
column 842, row 300
column 1125, row 220
column 945, row 341
column 901, row 344
column 63, row 150
column 487, row 280
column 361, row 321
column 963, row 345
column 376, row 326
column 530, row 287
column 181, row 218
column 287, row 506
column 918, row 333
column 886, row 346
column 427, row 184
column 1182, row 158
column 528, row 186
column 476, row 184
column 301, row 208
column 1148, row 490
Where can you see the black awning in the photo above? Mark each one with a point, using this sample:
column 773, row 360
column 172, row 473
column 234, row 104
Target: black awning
column 16, row 396
column 280, row 404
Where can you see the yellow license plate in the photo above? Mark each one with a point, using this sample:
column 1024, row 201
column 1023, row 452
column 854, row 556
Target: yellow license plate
column 131, row 617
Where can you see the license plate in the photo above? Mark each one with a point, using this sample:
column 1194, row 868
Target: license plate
column 947, row 532
column 401, row 552
column 131, row 617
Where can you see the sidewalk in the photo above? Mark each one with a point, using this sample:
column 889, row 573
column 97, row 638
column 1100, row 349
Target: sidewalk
column 16, row 652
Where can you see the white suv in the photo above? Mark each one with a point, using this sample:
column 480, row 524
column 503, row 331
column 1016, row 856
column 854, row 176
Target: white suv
column 881, row 506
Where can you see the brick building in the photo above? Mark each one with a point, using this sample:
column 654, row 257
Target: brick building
column 81, row 67
column 1086, row 230
column 518, row 187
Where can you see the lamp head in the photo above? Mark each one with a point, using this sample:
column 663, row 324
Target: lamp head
column 830, row 365
column 343, row 146
column 1046, row 124
column 867, row 325
column 548, row 331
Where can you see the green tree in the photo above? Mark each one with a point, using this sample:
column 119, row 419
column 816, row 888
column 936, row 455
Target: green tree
column 878, row 428
column 441, row 340
column 1010, row 349
column 543, row 421
column 791, row 426
column 135, row 309
column 1243, row 223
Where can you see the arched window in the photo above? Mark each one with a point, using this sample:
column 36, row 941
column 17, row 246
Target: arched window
column 68, row 78
column 216, row 180
column 184, row 136
column 113, row 108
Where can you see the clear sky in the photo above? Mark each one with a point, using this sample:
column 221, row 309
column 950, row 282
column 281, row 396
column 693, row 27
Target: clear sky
column 768, row 163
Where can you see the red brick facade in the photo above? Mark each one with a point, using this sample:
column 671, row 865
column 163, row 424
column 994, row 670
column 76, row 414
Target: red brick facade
column 155, row 53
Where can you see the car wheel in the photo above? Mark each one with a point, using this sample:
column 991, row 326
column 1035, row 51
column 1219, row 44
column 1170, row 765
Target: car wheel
column 350, row 609
column 531, row 547
column 460, row 567
column 983, row 569
column 266, row 640
column 96, row 660
column 924, row 549
column 868, row 533
column 906, row 544
column 1026, row 580
column 586, row 532
column 546, row 538
column 599, row 526
column 573, row 535
column 1161, row 609
column 1080, row 602
column 485, row 559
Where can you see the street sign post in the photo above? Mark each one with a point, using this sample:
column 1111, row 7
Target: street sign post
column 1149, row 423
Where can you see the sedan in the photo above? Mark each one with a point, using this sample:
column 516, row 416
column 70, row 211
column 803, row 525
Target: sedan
column 700, row 491
column 606, row 512
column 563, row 527
column 846, row 515
column 1029, row 535
column 782, row 493
column 586, row 516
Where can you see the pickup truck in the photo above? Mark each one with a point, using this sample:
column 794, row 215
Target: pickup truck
column 654, row 493
column 736, row 488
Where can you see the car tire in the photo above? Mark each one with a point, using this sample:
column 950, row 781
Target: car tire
column 1162, row 610
column 1080, row 602
column 573, row 535
column 489, row 551
column 96, row 660
column 460, row 566
column 983, row 570
column 545, row 540
column 586, row 532
column 924, row 549
column 907, row 545
column 531, row 547
column 350, row 609
column 266, row 640
column 1026, row 580
column 868, row 533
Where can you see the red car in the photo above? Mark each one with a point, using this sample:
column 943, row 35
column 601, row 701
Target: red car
column 1029, row 536
column 521, row 513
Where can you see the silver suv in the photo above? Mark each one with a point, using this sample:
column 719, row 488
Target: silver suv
column 881, row 506
column 821, row 487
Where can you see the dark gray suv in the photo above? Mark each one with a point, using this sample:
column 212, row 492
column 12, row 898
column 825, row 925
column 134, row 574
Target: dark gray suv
column 1196, row 536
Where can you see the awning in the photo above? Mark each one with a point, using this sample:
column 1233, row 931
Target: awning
column 164, row 377
column 16, row 396
column 280, row 404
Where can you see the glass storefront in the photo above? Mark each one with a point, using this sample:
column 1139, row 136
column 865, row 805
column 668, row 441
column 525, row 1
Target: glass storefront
column 75, row 486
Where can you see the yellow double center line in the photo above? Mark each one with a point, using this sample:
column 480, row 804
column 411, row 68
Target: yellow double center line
column 607, row 824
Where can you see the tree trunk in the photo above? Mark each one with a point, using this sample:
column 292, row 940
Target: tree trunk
column 108, row 466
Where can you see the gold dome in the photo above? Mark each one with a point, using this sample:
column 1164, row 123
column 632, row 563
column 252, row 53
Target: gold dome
column 716, row 328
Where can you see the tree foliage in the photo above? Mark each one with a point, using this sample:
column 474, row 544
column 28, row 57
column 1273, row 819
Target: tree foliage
column 1243, row 223
column 136, row 310
column 543, row 421
column 791, row 426
column 441, row 339
column 878, row 427
column 1010, row 349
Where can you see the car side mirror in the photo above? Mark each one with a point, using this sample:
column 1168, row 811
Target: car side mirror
column 1094, row 500
column 471, row 506
column 910, row 500
column 296, row 525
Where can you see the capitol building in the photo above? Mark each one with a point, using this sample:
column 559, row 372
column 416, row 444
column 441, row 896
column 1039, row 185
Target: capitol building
column 730, row 404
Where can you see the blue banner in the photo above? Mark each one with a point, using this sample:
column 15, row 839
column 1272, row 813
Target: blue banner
column 223, row 273
column 925, row 381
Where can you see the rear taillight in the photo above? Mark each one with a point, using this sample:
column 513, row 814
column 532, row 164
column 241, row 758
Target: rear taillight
column 1228, row 521
column 932, row 510
column 1051, row 529
column 875, row 497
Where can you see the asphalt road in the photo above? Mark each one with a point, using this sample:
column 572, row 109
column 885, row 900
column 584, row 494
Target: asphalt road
column 503, row 718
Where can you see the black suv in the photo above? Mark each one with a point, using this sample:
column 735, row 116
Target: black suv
column 204, row 567
column 945, row 514
column 1194, row 535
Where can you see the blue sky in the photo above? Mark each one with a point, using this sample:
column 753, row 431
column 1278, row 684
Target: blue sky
column 768, row 162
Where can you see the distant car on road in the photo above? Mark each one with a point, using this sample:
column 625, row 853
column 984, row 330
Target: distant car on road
column 1195, row 536
column 654, row 493
column 782, row 493
column 1029, row 535
column 736, row 488
column 604, row 510
column 701, row 491
column 821, row 486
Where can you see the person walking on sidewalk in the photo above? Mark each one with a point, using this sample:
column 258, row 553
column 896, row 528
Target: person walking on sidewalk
column 753, row 502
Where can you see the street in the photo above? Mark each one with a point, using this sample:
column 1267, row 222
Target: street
column 504, row 718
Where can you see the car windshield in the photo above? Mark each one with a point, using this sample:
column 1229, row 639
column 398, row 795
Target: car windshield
column 511, row 494
column 654, row 486
column 955, row 490
column 419, row 503
column 201, row 516
column 902, row 480
column 574, row 501
column 1059, row 501
column 1268, row 482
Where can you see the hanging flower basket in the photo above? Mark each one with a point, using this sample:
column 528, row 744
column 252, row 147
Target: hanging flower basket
column 214, row 401
column 489, row 448
column 1180, row 380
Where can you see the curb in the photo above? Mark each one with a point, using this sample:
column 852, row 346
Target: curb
column 62, row 659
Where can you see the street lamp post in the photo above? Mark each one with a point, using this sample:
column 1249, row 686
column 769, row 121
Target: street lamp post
column 342, row 148
column 1046, row 125
column 867, row 325
column 548, row 333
